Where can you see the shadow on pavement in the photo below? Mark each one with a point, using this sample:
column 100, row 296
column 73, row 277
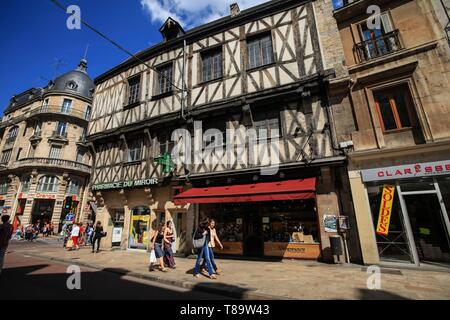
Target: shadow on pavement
column 366, row 294
column 41, row 282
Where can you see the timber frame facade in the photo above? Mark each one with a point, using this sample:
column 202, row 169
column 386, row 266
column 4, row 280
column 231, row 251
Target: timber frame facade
column 289, row 91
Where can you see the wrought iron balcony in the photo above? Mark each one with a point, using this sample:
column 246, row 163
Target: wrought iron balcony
column 378, row 47
column 59, row 110
column 50, row 162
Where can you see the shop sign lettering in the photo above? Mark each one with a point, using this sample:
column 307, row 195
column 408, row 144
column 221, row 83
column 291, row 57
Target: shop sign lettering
column 125, row 184
column 45, row 196
column 384, row 217
column 407, row 171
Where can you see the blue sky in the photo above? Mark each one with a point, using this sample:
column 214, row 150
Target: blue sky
column 34, row 35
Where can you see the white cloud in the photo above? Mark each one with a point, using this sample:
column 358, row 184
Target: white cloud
column 191, row 13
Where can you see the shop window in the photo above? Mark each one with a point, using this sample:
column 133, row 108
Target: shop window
column 212, row 65
column 140, row 230
column 395, row 245
column 260, row 51
column 48, row 184
column 290, row 221
column 395, row 108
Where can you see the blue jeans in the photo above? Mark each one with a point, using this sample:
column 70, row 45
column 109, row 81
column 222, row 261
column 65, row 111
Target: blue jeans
column 211, row 256
column 203, row 252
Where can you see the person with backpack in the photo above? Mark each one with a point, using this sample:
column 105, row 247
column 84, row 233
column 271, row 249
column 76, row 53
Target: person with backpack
column 201, row 239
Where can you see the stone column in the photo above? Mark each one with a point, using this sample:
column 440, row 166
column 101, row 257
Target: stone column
column 192, row 212
column 366, row 230
column 26, row 219
column 60, row 197
column 327, row 204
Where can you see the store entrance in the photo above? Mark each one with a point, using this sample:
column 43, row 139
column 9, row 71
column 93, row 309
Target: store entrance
column 428, row 227
column 42, row 211
column 253, row 235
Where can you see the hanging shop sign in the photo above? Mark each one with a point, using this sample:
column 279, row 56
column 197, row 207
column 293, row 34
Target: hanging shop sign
column 416, row 170
column 384, row 217
column 125, row 184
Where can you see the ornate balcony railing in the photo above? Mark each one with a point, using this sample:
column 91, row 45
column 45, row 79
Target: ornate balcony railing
column 61, row 163
column 59, row 110
column 379, row 46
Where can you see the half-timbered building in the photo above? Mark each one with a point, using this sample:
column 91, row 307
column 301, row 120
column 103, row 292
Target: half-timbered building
column 266, row 68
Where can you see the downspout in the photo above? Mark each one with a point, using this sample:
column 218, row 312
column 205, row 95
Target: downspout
column 183, row 84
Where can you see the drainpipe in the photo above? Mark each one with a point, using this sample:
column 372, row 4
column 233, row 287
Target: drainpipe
column 183, row 84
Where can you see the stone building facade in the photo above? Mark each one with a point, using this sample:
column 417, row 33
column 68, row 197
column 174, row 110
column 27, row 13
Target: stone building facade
column 45, row 159
column 396, row 97
column 267, row 68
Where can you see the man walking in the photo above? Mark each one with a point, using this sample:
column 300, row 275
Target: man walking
column 6, row 230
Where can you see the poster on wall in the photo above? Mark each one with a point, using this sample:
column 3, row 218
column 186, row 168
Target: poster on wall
column 330, row 223
column 117, row 235
column 384, row 216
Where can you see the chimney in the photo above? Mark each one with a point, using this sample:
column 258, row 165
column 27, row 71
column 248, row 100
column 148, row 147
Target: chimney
column 234, row 10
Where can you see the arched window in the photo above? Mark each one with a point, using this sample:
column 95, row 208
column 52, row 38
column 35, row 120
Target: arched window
column 73, row 187
column 48, row 184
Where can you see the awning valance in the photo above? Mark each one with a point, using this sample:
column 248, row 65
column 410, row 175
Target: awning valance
column 265, row 191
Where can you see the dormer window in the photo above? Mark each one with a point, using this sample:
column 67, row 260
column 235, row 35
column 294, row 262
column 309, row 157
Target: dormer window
column 171, row 29
column 72, row 85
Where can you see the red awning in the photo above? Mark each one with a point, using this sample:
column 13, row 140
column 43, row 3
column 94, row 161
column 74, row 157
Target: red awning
column 265, row 191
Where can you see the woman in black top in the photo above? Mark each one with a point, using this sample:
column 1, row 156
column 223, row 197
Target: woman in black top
column 98, row 234
column 157, row 243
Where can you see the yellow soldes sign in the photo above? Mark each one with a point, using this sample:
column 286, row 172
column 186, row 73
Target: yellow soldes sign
column 384, row 217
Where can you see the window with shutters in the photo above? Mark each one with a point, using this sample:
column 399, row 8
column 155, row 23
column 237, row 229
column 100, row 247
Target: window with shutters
column 260, row 51
column 211, row 65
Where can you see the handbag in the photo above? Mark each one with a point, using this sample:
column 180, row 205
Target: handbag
column 104, row 234
column 198, row 240
column 152, row 256
column 69, row 244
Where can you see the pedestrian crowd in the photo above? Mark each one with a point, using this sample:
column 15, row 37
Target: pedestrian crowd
column 74, row 235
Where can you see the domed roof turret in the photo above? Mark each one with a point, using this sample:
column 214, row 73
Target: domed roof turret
column 75, row 82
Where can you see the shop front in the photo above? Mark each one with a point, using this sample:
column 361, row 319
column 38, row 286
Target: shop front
column 273, row 219
column 410, row 207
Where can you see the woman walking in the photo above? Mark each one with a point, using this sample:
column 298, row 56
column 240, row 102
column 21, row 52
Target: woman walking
column 212, row 245
column 158, row 240
column 203, row 231
column 169, row 237
column 98, row 234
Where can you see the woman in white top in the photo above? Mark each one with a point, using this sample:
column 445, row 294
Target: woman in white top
column 212, row 245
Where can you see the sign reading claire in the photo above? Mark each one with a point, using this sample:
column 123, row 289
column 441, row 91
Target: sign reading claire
column 384, row 217
column 125, row 184
column 435, row 168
